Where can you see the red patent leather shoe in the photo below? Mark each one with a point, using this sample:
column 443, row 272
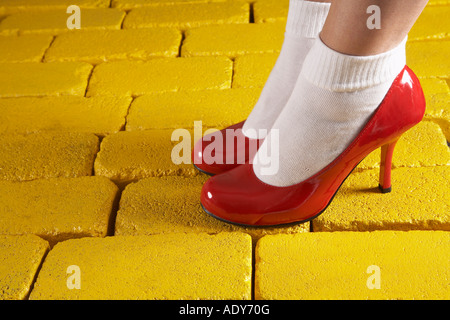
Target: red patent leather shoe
column 238, row 196
column 224, row 150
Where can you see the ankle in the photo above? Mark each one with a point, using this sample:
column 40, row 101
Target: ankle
column 335, row 71
column 306, row 18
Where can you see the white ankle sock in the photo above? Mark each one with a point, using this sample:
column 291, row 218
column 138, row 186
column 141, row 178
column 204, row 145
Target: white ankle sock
column 305, row 21
column 333, row 98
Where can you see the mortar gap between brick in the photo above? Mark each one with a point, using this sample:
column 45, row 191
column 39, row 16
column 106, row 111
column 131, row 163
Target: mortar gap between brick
column 253, row 269
column 447, row 81
column 183, row 36
column 232, row 72
column 123, row 19
column 128, row 112
column 114, row 211
column 46, row 50
column 252, row 16
column 38, row 270
column 89, row 80
column 100, row 139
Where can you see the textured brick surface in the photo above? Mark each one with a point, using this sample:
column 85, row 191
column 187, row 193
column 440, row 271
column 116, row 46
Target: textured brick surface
column 270, row 11
column 13, row 6
column 438, row 2
column 422, row 146
column 20, row 258
column 424, row 30
column 27, row 48
column 233, row 40
column 43, row 79
column 128, row 4
column 437, row 95
column 173, row 266
column 215, row 108
column 99, row 46
column 99, row 115
column 57, row 209
column 46, row 155
column 428, row 59
column 137, row 78
column 412, row 265
column 252, row 70
column 419, row 199
column 151, row 206
column 54, row 21
column 129, row 156
column 432, row 86
column 186, row 16
column 438, row 110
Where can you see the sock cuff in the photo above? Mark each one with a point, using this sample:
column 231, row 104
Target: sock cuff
column 306, row 18
column 336, row 71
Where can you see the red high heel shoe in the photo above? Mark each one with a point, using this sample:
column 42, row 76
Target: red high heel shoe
column 232, row 150
column 238, row 196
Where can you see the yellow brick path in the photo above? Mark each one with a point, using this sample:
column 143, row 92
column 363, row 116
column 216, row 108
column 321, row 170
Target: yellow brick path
column 92, row 206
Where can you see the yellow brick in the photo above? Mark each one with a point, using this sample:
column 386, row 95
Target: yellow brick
column 423, row 145
column 57, row 209
column 47, row 155
column 29, row 48
column 432, row 86
column 438, row 106
column 109, row 45
column 346, row 265
column 437, row 94
column 419, row 199
column 445, row 126
column 438, row 2
column 13, row 6
column 55, row 21
column 233, row 40
column 215, row 108
column 43, row 79
column 253, row 70
column 20, row 258
column 99, row 115
column 438, row 110
column 429, row 58
column 433, row 23
column 129, row 4
column 172, row 266
column 136, row 78
column 187, row 16
column 128, row 156
column 270, row 11
column 171, row 205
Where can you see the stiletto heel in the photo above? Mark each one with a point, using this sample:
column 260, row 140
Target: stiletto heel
column 387, row 151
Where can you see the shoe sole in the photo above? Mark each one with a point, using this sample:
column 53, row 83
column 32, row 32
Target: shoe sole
column 208, row 173
column 295, row 222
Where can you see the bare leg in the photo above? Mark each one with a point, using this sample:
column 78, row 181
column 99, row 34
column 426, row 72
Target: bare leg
column 346, row 30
